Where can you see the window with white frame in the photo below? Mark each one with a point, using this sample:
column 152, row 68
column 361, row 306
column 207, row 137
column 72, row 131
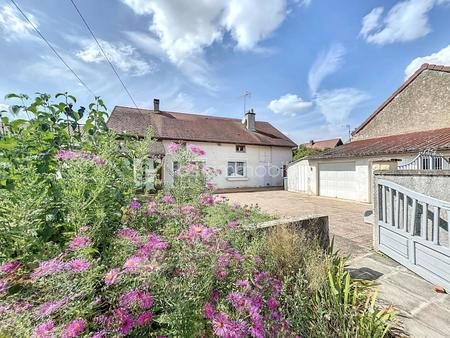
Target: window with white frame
column 236, row 169
column 240, row 148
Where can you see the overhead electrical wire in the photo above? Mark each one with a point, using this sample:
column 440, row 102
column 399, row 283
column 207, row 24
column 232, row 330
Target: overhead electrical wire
column 52, row 48
column 104, row 54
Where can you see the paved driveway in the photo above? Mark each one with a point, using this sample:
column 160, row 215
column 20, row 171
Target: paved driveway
column 352, row 235
column 423, row 312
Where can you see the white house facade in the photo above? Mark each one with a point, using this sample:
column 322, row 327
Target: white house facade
column 249, row 153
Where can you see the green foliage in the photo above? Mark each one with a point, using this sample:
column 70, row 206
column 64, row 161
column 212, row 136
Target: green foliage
column 303, row 151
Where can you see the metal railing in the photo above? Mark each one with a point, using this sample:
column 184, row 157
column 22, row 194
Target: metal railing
column 427, row 160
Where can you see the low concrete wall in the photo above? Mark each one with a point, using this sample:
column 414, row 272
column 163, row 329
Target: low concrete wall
column 431, row 183
column 314, row 227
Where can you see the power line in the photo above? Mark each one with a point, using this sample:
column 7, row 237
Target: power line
column 51, row 47
column 104, row 54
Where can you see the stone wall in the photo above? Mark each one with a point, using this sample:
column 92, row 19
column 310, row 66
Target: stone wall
column 422, row 105
column 313, row 227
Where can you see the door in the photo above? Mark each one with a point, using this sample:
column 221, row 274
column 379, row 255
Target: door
column 338, row 180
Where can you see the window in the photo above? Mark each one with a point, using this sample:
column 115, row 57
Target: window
column 176, row 166
column 236, row 169
column 240, row 149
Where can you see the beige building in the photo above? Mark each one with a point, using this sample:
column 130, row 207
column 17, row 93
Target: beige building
column 415, row 118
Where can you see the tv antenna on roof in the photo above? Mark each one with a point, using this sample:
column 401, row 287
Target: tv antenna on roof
column 246, row 95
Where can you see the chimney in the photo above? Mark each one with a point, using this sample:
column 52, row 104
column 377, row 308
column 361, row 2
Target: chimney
column 249, row 120
column 312, row 142
column 156, row 105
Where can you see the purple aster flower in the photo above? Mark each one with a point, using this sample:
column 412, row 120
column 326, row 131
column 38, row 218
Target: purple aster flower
column 187, row 208
column 77, row 265
column 243, row 283
column 65, row 155
column 80, row 242
column 111, row 277
column 210, row 185
column 99, row 334
column 130, row 234
column 207, row 199
column 73, row 329
column 209, row 311
column 168, row 199
column 141, row 298
column 200, row 231
column 44, row 330
column 151, row 208
column 154, row 242
column 144, row 319
column 214, row 295
column 172, row 148
column 135, row 205
column 124, row 319
column 3, row 286
column 49, row 307
column 232, row 224
column 133, row 263
column 47, row 268
column 224, row 327
column 10, row 267
column 223, row 262
column 238, row 301
column 196, row 149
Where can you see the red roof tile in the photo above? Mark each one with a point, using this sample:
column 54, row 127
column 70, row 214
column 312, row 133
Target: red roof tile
column 425, row 66
column 438, row 139
column 323, row 144
column 192, row 127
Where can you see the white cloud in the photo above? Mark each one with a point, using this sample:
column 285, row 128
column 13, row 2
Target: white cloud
column 14, row 26
column 121, row 55
column 326, row 64
column 337, row 104
column 184, row 28
column 289, row 104
column 441, row 57
column 406, row 21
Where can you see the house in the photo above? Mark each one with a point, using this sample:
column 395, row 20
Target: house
column 248, row 152
column 414, row 119
column 323, row 144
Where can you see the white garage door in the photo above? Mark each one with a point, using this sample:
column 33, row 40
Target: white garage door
column 338, row 180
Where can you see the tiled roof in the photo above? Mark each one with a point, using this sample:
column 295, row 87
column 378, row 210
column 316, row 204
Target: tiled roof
column 438, row 139
column 323, row 144
column 425, row 66
column 192, row 127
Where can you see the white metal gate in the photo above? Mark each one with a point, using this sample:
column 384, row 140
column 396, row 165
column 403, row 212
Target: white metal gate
column 413, row 230
column 427, row 160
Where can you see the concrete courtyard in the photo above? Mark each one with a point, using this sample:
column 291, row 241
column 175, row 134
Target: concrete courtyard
column 423, row 312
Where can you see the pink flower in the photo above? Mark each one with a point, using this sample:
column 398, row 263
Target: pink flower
column 65, row 155
column 10, row 267
column 125, row 320
column 141, row 298
column 3, row 286
column 154, row 242
column 196, row 149
column 188, row 209
column 80, row 242
column 99, row 334
column 222, row 274
column 224, row 327
column 210, row 185
column 207, row 199
column 77, row 265
column 190, row 168
column 208, row 311
column 111, row 277
column 197, row 231
column 44, row 330
column 133, row 263
column 151, row 208
column 168, row 199
column 50, row 307
column 47, row 268
column 272, row 303
column 232, row 224
column 73, row 329
column 135, row 205
column 172, row 148
column 130, row 234
column 144, row 319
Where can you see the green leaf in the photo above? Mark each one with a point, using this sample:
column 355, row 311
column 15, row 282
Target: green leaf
column 8, row 144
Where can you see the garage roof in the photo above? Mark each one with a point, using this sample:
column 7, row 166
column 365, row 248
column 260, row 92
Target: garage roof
column 438, row 139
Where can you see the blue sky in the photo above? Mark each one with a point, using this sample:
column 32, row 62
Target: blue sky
column 312, row 66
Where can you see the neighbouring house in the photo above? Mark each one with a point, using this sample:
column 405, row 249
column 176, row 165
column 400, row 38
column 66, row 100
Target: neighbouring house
column 414, row 119
column 323, row 144
column 249, row 153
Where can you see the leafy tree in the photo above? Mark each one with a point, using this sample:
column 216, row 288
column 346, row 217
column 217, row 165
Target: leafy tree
column 303, row 151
